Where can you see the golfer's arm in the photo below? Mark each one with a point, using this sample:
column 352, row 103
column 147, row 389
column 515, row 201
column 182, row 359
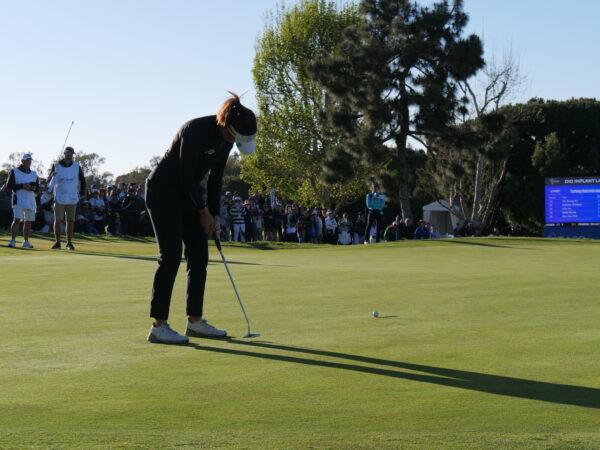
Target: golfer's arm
column 82, row 184
column 188, row 162
column 10, row 183
column 214, row 186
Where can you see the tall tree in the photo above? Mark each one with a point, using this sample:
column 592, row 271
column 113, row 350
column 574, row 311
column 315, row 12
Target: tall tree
column 395, row 78
column 293, row 142
column 90, row 165
column 499, row 82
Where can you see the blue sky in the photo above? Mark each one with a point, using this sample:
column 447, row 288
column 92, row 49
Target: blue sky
column 129, row 73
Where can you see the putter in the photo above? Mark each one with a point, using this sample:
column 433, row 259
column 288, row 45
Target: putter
column 248, row 334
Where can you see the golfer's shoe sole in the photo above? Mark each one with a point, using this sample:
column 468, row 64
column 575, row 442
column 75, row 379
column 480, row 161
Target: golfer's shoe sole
column 192, row 333
column 155, row 340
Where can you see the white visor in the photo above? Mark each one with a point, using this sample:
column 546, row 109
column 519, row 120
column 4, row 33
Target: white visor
column 245, row 144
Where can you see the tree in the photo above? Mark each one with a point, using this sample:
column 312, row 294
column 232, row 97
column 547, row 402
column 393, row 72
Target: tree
column 231, row 176
column 90, row 165
column 139, row 174
column 292, row 143
column 393, row 78
column 499, row 83
column 522, row 144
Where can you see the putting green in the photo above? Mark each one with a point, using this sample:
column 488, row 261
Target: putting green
column 481, row 343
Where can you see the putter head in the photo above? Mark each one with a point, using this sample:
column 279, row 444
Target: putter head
column 251, row 335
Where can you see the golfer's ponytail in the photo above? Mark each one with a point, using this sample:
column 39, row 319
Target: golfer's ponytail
column 233, row 113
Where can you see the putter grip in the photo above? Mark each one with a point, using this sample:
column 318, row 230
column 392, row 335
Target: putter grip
column 218, row 244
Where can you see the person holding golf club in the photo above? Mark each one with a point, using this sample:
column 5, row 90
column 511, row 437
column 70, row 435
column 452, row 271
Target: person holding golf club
column 185, row 215
column 67, row 182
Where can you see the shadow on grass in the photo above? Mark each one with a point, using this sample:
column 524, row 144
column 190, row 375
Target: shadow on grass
column 475, row 381
column 477, row 243
column 153, row 258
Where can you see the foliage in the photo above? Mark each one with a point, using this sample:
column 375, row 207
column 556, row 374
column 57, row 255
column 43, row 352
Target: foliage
column 138, row 175
column 90, row 165
column 292, row 143
column 521, row 145
column 231, row 177
column 394, row 78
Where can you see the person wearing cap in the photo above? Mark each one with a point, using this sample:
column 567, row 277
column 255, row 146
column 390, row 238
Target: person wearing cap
column 185, row 215
column 238, row 216
column 67, row 183
column 24, row 183
column 375, row 201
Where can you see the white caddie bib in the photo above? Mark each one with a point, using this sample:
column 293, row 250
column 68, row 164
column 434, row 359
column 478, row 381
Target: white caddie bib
column 66, row 184
column 25, row 199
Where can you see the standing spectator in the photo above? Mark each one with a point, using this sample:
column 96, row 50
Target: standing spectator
column 269, row 223
column 279, row 222
column 345, row 230
column 113, row 212
column 375, row 201
column 98, row 206
column 330, row 228
column 130, row 210
column 237, row 213
column 24, row 183
column 68, row 185
column 289, row 225
column 249, row 221
column 316, row 227
column 359, row 229
column 224, row 219
column 258, row 224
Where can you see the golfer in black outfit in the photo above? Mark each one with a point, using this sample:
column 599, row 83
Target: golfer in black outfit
column 184, row 216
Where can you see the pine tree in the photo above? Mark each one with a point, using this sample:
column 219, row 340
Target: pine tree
column 394, row 78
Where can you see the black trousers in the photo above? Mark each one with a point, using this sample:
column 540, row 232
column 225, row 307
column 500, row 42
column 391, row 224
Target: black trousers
column 374, row 217
column 176, row 229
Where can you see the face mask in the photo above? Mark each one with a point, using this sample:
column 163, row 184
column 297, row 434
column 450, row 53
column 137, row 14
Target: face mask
column 245, row 144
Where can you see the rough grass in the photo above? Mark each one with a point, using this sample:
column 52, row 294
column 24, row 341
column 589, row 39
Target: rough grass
column 482, row 343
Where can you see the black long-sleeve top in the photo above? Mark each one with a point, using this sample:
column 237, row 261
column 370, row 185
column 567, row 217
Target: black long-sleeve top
column 197, row 149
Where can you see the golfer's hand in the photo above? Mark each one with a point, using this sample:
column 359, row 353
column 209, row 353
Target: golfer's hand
column 217, row 227
column 207, row 221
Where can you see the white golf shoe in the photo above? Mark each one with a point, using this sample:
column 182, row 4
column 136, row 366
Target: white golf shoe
column 12, row 243
column 164, row 334
column 26, row 244
column 201, row 328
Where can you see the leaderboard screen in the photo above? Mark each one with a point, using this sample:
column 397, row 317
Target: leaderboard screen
column 572, row 200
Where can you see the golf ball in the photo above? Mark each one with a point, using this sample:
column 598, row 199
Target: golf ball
column 375, row 313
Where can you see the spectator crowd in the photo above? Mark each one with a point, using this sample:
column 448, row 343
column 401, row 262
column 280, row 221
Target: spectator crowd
column 121, row 210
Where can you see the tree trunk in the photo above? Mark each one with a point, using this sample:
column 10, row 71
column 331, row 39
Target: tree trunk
column 475, row 213
column 401, row 165
column 492, row 203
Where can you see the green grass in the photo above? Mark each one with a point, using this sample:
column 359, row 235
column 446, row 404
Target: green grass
column 482, row 343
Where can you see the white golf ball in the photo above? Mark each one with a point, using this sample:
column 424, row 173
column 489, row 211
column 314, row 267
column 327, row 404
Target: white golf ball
column 375, row 313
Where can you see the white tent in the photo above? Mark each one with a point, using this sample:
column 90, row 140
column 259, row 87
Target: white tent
column 442, row 216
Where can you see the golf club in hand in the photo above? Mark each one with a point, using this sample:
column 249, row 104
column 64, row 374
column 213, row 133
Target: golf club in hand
column 248, row 333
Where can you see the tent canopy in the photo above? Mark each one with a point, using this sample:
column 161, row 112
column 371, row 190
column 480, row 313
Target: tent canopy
column 442, row 216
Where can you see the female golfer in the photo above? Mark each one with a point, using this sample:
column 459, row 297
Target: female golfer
column 185, row 215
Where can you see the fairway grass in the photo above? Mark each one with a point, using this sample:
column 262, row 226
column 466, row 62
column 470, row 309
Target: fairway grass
column 481, row 343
